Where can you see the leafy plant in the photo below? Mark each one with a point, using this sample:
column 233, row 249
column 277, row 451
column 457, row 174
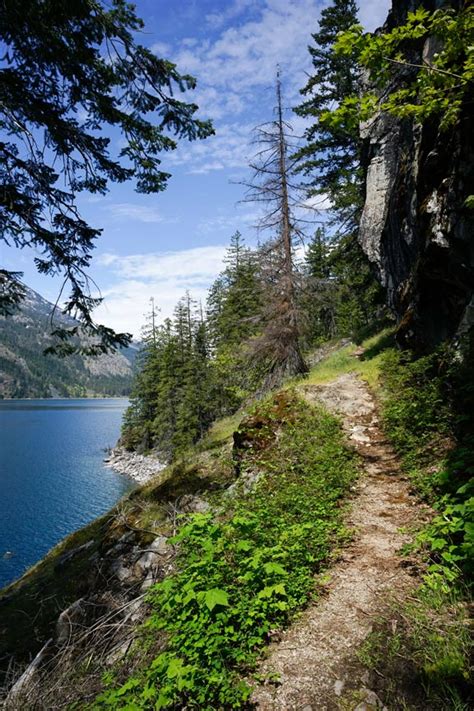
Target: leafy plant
column 435, row 85
column 428, row 415
column 247, row 572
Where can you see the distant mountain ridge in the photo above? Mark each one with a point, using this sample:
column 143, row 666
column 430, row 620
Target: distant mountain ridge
column 26, row 372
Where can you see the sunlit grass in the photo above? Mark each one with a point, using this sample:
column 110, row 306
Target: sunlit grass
column 221, row 430
column 364, row 360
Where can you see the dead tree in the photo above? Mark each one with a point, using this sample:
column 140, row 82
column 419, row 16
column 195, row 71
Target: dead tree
column 277, row 349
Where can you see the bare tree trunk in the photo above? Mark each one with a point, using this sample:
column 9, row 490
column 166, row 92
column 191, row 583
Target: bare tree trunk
column 278, row 347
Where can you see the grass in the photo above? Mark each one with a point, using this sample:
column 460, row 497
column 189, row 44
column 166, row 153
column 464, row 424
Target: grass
column 344, row 360
column 47, row 587
column 221, row 431
column 248, row 571
column 30, row 606
column 421, row 651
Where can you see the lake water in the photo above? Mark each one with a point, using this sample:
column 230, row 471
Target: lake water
column 52, row 478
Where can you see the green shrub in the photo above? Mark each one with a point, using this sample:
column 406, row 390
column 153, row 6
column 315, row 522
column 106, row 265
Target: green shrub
column 247, row 572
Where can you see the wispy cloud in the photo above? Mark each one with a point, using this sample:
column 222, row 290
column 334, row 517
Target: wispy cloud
column 229, row 222
column 134, row 211
column 236, row 71
column 161, row 49
column 165, row 276
column 236, row 8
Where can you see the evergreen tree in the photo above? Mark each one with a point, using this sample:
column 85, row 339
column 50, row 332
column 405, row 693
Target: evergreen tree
column 171, row 403
column 330, row 156
column 233, row 316
column 330, row 160
column 320, row 292
column 234, row 298
column 340, row 296
column 71, row 72
column 139, row 416
column 317, row 256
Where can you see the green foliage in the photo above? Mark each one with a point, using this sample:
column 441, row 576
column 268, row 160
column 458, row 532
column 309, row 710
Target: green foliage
column 421, row 653
column 247, row 572
column 171, row 405
column 329, row 158
column 437, row 86
column 194, row 369
column 340, row 295
column 72, row 73
column 428, row 414
column 416, row 411
column 233, row 316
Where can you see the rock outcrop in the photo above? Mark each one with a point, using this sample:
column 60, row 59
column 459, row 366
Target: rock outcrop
column 416, row 229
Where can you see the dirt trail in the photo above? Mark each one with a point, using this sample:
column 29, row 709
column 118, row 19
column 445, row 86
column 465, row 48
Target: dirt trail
column 317, row 657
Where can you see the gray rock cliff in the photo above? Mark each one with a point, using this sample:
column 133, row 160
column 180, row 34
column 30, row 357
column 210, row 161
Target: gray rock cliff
column 415, row 228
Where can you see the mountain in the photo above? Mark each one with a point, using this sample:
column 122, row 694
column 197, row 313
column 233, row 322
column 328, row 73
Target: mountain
column 26, row 372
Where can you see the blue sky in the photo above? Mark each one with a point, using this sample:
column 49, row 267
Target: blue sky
column 161, row 245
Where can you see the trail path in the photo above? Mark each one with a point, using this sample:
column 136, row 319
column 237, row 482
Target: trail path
column 316, row 658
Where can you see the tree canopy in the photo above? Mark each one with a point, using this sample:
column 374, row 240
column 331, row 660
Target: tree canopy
column 329, row 157
column 71, row 73
column 434, row 83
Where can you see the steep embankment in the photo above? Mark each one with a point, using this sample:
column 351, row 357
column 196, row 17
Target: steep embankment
column 416, row 226
column 25, row 371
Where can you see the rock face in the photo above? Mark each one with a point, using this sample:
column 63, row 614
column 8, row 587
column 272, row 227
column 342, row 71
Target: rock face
column 415, row 228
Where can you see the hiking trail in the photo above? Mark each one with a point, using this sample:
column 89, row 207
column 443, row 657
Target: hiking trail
column 316, row 658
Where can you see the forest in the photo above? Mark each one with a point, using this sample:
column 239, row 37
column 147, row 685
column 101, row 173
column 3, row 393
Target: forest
column 310, row 542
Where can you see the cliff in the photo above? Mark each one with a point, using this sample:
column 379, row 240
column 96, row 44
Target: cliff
column 416, row 229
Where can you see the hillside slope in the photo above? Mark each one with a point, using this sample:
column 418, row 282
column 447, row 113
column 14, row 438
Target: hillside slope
column 271, row 521
column 26, row 372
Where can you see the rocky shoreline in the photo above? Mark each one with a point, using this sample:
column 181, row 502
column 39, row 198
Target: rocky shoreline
column 139, row 467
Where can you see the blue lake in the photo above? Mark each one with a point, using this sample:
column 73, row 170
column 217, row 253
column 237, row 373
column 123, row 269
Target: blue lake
column 52, row 478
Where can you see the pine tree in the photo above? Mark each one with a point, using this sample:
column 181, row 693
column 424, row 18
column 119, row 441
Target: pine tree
column 330, row 157
column 137, row 430
column 330, row 160
column 233, row 316
column 320, row 293
column 317, row 256
column 234, row 298
column 72, row 73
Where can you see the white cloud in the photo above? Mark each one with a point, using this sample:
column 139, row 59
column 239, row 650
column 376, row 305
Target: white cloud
column 236, row 75
column 318, row 203
column 218, row 19
column 236, row 71
column 229, row 222
column 134, row 211
column 161, row 49
column 229, row 148
column 165, row 276
column 244, row 57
